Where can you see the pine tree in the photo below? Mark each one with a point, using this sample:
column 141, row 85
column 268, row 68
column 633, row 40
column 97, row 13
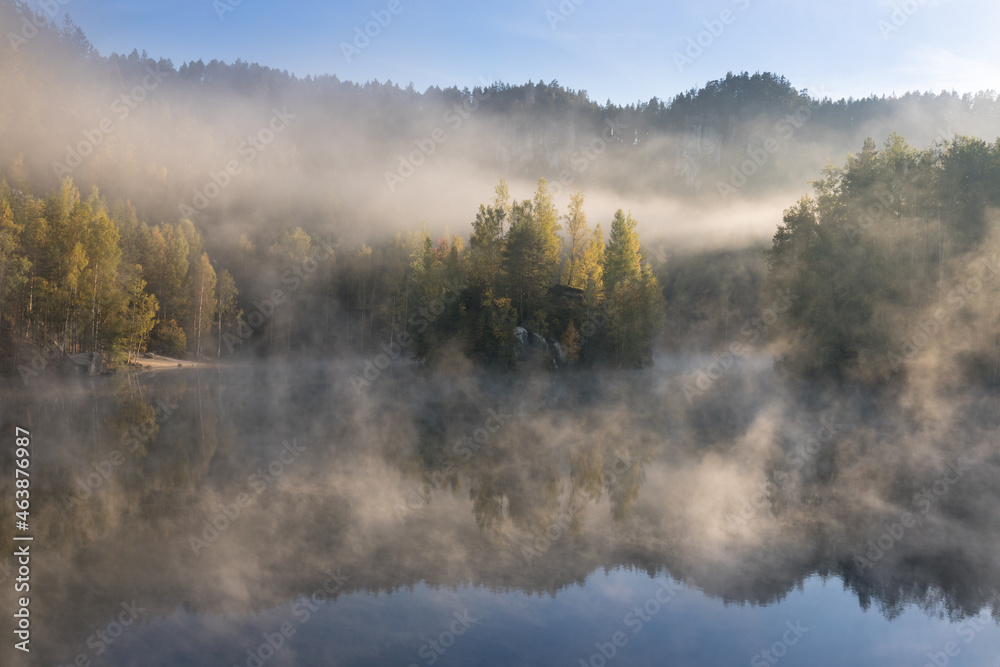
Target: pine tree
column 292, row 250
column 531, row 253
column 486, row 248
column 623, row 256
column 521, row 259
column 228, row 308
column 635, row 318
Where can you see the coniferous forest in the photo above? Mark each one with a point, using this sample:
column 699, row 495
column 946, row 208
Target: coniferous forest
column 113, row 240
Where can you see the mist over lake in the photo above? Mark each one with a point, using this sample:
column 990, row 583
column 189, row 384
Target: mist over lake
column 550, row 506
column 556, row 333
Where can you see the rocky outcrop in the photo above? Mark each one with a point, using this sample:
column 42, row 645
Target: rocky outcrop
column 533, row 347
column 86, row 363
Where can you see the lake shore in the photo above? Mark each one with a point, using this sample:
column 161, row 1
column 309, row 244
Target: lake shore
column 158, row 362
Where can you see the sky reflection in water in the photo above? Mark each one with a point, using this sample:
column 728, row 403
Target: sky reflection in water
column 533, row 545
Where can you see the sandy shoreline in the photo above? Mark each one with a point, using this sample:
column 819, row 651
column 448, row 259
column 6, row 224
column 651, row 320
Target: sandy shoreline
column 159, row 363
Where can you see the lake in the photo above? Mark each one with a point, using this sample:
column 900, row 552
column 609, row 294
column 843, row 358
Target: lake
column 277, row 514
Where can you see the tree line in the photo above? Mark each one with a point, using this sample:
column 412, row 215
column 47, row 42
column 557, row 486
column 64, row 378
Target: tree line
column 528, row 282
column 893, row 256
column 893, row 262
column 686, row 143
column 80, row 274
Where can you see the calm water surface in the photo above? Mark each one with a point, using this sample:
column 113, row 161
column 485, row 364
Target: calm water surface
column 271, row 515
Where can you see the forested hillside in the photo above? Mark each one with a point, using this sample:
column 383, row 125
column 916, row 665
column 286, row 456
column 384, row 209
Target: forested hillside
column 218, row 210
column 169, row 128
column 894, row 264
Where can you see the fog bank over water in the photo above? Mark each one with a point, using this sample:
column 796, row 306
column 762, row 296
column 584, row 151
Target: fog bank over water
column 419, row 386
column 527, row 484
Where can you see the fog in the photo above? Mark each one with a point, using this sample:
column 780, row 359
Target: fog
column 722, row 470
column 527, row 484
column 375, row 159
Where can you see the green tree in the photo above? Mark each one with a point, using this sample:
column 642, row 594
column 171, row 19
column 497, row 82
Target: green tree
column 139, row 314
column 635, row 318
column 570, row 343
column 579, row 238
column 14, row 271
column 592, row 267
column 623, row 255
column 168, row 338
column 170, row 266
column 228, row 307
column 203, row 301
column 546, row 220
column 292, row 250
column 522, row 259
column 486, row 246
column 501, row 199
column 531, row 254
column 494, row 342
column 101, row 245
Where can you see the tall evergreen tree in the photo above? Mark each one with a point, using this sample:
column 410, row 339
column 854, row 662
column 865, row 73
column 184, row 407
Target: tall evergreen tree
column 486, row 248
column 228, row 309
column 623, row 255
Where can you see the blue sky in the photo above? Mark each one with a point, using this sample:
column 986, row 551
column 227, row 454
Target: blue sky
column 625, row 51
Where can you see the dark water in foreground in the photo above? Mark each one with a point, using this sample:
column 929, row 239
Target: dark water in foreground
column 271, row 516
